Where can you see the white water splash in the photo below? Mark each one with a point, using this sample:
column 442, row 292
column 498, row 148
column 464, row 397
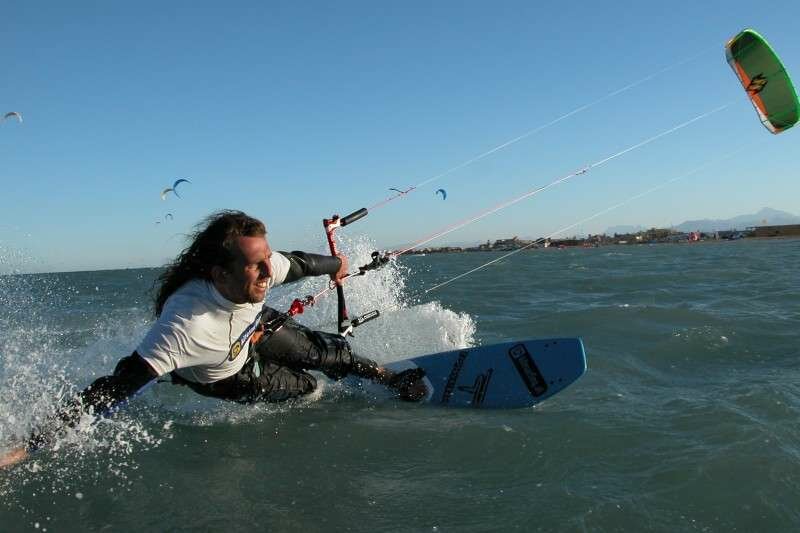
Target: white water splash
column 403, row 329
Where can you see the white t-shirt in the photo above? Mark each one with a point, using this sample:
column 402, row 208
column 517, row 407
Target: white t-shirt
column 200, row 334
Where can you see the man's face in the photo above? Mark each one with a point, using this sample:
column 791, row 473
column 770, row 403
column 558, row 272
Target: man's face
column 245, row 280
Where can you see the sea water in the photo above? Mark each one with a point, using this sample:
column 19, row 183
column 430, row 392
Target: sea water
column 688, row 418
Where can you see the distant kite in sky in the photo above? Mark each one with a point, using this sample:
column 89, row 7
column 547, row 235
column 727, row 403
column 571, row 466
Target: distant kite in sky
column 765, row 80
column 178, row 182
column 13, row 114
column 174, row 188
column 444, row 193
column 169, row 216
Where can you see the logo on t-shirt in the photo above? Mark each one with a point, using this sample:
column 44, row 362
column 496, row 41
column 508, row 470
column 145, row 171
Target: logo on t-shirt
column 235, row 349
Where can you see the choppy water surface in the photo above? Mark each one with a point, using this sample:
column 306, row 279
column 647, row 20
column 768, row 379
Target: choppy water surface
column 687, row 419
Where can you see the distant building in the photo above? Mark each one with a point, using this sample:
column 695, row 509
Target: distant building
column 787, row 230
column 563, row 243
column 730, row 235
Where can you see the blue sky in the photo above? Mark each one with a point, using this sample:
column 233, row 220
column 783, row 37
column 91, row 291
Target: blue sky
column 293, row 111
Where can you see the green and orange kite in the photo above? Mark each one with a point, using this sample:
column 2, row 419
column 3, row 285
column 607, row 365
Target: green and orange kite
column 765, row 80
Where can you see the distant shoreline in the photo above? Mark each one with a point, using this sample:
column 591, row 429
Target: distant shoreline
column 653, row 236
column 505, row 243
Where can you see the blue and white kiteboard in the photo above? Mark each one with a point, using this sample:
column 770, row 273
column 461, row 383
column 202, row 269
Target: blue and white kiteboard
column 500, row 376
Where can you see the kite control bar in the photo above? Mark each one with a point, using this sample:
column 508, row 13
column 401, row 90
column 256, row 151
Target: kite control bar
column 331, row 225
column 355, row 215
column 335, row 222
column 366, row 317
column 345, row 324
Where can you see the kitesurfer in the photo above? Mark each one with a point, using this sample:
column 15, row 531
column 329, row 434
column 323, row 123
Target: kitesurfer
column 214, row 334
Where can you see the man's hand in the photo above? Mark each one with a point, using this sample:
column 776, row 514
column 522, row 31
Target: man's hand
column 408, row 384
column 342, row 272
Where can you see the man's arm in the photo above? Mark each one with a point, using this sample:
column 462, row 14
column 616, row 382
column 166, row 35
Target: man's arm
column 130, row 375
column 302, row 264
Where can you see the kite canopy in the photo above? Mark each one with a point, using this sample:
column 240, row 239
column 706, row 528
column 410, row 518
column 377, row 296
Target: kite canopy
column 178, row 182
column 174, row 188
column 765, row 79
column 16, row 114
column 443, row 192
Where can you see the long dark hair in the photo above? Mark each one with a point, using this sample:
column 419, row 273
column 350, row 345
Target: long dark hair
column 213, row 244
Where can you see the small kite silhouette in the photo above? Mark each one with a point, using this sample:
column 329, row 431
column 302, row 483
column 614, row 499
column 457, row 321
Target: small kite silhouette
column 13, row 114
column 402, row 192
column 178, row 182
column 174, row 188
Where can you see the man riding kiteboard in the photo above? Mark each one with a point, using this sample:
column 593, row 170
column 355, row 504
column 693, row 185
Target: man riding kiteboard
column 214, row 334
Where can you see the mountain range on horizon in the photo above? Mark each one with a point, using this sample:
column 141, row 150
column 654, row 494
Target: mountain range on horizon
column 764, row 217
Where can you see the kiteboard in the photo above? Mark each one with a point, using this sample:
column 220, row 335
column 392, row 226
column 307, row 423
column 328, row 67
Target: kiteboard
column 500, row 376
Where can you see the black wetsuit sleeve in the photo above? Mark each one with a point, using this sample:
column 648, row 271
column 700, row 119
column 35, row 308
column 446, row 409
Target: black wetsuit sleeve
column 303, row 264
column 131, row 374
